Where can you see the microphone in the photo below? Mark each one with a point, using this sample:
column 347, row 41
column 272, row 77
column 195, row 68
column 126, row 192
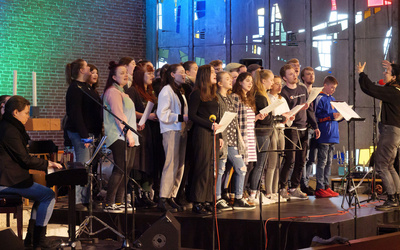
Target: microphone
column 381, row 82
column 212, row 118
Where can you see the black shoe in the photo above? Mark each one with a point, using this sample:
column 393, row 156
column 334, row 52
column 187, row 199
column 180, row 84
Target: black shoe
column 28, row 242
column 241, row 204
column 147, row 200
column 181, row 201
column 388, row 205
column 41, row 242
column 198, row 208
column 308, row 190
column 164, row 207
column 172, row 203
column 210, row 208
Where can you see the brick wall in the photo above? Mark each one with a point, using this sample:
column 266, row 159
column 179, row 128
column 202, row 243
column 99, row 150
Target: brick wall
column 42, row 36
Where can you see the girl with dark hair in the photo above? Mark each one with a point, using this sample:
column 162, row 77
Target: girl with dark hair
column 158, row 82
column 93, row 80
column 233, row 147
column 14, row 171
column 191, row 69
column 123, row 107
column 173, row 114
column 149, row 156
column 246, row 118
column 130, row 64
column 84, row 118
column 202, row 104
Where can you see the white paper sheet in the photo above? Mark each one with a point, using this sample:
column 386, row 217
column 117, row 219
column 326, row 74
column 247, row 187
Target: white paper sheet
column 345, row 110
column 146, row 113
column 225, row 121
column 296, row 109
column 272, row 106
column 313, row 94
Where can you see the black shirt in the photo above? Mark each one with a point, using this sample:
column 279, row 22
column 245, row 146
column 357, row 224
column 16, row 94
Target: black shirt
column 390, row 97
column 199, row 111
column 84, row 114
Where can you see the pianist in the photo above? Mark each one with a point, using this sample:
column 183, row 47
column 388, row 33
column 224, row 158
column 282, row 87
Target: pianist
column 15, row 163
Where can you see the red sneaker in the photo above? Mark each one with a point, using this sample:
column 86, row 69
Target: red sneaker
column 333, row 193
column 322, row 193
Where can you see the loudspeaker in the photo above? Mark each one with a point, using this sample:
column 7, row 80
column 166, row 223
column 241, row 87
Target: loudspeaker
column 163, row 234
column 10, row 241
column 248, row 61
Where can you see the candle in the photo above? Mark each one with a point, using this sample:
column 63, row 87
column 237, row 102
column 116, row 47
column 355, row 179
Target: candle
column 34, row 97
column 14, row 82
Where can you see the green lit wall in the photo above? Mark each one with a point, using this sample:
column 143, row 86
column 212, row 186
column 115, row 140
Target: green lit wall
column 43, row 36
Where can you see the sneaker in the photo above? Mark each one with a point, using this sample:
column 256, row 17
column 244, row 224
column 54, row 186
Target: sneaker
column 296, row 194
column 241, row 204
column 113, row 208
column 333, row 193
column 322, row 193
column 390, row 204
column 265, row 200
column 122, row 206
column 284, row 194
column 223, row 206
column 275, row 196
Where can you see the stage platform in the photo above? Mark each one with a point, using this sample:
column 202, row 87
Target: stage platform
column 301, row 221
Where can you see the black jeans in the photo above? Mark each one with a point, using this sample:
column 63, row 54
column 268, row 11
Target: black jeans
column 116, row 185
column 295, row 158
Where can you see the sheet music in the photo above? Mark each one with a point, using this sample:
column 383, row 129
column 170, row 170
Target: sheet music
column 296, row 109
column 345, row 110
column 146, row 113
column 313, row 94
column 272, row 106
column 225, row 121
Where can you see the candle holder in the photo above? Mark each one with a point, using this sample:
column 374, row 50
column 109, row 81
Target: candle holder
column 34, row 111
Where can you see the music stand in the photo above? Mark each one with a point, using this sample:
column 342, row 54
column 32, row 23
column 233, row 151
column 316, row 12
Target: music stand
column 350, row 189
column 87, row 224
column 280, row 155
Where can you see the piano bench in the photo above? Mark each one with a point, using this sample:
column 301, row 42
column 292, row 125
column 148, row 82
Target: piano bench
column 12, row 203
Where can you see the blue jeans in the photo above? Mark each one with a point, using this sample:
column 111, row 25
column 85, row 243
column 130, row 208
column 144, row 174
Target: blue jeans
column 44, row 198
column 262, row 155
column 82, row 154
column 311, row 158
column 325, row 155
column 389, row 140
column 240, row 171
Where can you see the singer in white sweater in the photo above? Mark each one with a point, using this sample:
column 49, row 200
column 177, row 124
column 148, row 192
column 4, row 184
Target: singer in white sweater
column 172, row 113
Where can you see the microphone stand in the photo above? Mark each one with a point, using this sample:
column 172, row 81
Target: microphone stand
column 126, row 244
column 215, row 171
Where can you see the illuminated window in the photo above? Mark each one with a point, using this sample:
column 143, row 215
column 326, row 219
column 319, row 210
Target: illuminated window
column 359, row 17
column 261, row 25
column 160, row 16
column 278, row 34
column 372, row 3
column 387, row 41
column 324, row 42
